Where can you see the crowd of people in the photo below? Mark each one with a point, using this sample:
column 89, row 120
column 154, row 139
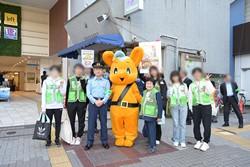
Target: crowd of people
column 189, row 101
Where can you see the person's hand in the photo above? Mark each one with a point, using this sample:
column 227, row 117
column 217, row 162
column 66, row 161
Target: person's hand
column 158, row 119
column 208, row 76
column 101, row 103
column 43, row 111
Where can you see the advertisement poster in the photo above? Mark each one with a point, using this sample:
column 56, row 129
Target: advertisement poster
column 87, row 58
column 152, row 55
column 10, row 33
column 10, row 19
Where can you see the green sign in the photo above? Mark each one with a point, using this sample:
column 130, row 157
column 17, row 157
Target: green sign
column 10, row 30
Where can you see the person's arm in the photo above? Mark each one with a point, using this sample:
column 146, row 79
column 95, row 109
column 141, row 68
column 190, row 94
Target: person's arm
column 107, row 92
column 67, row 93
column 170, row 91
column 221, row 90
column 159, row 105
column 190, row 98
column 62, row 88
column 237, row 90
column 137, row 93
column 89, row 95
column 43, row 103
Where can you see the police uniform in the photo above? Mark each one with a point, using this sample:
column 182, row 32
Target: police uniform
column 151, row 109
column 97, row 89
column 76, row 103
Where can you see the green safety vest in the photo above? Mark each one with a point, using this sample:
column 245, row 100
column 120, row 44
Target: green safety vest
column 53, row 94
column 149, row 104
column 199, row 94
column 178, row 96
column 75, row 90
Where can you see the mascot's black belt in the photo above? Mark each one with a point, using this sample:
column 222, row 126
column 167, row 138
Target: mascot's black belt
column 125, row 104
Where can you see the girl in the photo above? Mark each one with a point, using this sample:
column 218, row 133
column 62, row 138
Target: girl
column 161, row 86
column 178, row 94
column 53, row 91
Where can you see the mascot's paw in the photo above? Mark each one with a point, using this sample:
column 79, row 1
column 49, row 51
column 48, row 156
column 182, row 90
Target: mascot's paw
column 128, row 143
column 119, row 142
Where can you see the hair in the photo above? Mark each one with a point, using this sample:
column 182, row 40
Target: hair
column 149, row 79
column 226, row 75
column 55, row 67
column 44, row 72
column 184, row 72
column 174, row 74
column 156, row 69
column 197, row 69
column 78, row 65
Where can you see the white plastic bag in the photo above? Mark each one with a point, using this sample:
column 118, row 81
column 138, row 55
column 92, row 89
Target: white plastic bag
column 66, row 132
column 163, row 119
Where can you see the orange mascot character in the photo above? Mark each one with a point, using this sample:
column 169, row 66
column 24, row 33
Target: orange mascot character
column 125, row 95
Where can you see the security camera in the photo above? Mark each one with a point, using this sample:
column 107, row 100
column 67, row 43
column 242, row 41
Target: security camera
column 102, row 18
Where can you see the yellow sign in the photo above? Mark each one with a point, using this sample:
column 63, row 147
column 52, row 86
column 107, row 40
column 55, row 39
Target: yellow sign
column 10, row 19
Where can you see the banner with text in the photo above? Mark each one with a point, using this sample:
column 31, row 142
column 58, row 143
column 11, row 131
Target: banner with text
column 87, row 58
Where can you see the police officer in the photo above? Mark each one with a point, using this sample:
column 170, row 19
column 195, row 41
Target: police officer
column 76, row 102
column 98, row 92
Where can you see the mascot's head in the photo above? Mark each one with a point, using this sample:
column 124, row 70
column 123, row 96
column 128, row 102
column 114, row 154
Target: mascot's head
column 123, row 69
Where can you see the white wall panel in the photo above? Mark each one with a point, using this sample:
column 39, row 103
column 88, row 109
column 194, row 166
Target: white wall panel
column 247, row 10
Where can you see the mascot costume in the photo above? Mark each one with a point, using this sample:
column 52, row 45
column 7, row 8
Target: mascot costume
column 125, row 94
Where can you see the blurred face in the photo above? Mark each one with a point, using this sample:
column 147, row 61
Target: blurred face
column 98, row 72
column 175, row 79
column 54, row 73
column 227, row 78
column 182, row 74
column 78, row 71
column 154, row 73
column 149, row 85
column 197, row 76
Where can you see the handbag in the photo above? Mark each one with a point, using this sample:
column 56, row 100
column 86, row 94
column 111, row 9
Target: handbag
column 66, row 132
column 163, row 119
column 42, row 128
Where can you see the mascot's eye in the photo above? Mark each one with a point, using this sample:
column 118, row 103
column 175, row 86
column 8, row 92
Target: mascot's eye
column 115, row 71
column 128, row 71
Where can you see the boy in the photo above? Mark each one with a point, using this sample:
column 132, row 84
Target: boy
column 98, row 92
column 151, row 112
column 76, row 102
column 200, row 99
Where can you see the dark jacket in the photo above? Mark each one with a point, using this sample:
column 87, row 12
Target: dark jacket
column 163, row 91
column 223, row 91
column 187, row 81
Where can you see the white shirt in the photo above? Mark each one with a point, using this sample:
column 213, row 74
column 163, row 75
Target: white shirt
column 229, row 89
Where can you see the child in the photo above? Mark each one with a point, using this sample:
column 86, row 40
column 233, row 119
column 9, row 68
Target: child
column 76, row 102
column 98, row 92
column 178, row 94
column 201, row 92
column 151, row 112
column 53, row 91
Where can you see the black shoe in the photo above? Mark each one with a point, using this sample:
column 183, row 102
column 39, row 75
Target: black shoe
column 48, row 144
column 225, row 125
column 58, row 143
column 106, row 146
column 214, row 119
column 240, row 125
column 88, row 147
column 188, row 122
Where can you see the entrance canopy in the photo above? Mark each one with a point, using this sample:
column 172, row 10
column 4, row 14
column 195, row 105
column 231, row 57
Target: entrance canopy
column 97, row 43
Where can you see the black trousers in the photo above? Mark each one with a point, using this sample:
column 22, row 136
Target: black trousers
column 202, row 113
column 58, row 116
column 78, row 108
column 158, row 132
column 189, row 116
column 231, row 101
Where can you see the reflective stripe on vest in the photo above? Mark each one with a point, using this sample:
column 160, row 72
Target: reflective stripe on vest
column 53, row 94
column 75, row 90
column 199, row 93
column 149, row 103
column 178, row 96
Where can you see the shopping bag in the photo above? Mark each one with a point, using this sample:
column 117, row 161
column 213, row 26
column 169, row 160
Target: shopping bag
column 66, row 132
column 42, row 128
column 163, row 119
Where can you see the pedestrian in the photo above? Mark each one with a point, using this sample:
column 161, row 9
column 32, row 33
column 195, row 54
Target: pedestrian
column 178, row 95
column 187, row 81
column 151, row 112
column 200, row 100
column 76, row 102
column 214, row 104
column 98, row 92
column 229, row 90
column 43, row 77
column 161, row 86
column 53, row 91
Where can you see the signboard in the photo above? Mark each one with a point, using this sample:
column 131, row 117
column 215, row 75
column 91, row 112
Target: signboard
column 10, row 19
column 131, row 6
column 10, row 33
column 87, row 58
column 152, row 55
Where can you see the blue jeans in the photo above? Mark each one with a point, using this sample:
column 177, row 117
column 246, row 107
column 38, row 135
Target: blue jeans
column 179, row 115
column 149, row 131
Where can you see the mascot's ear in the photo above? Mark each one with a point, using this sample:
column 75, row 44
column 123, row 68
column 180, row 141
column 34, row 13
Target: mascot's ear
column 137, row 55
column 108, row 57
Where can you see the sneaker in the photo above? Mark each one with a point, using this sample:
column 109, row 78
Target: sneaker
column 183, row 145
column 77, row 141
column 158, row 142
column 204, row 146
column 152, row 150
column 73, row 141
column 176, row 144
column 198, row 145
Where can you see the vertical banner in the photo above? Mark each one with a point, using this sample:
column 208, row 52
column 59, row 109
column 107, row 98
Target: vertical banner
column 10, row 30
column 152, row 55
column 87, row 58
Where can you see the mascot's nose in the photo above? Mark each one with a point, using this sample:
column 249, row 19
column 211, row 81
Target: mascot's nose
column 121, row 79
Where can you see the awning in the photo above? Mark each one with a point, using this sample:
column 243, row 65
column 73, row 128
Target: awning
column 97, row 43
